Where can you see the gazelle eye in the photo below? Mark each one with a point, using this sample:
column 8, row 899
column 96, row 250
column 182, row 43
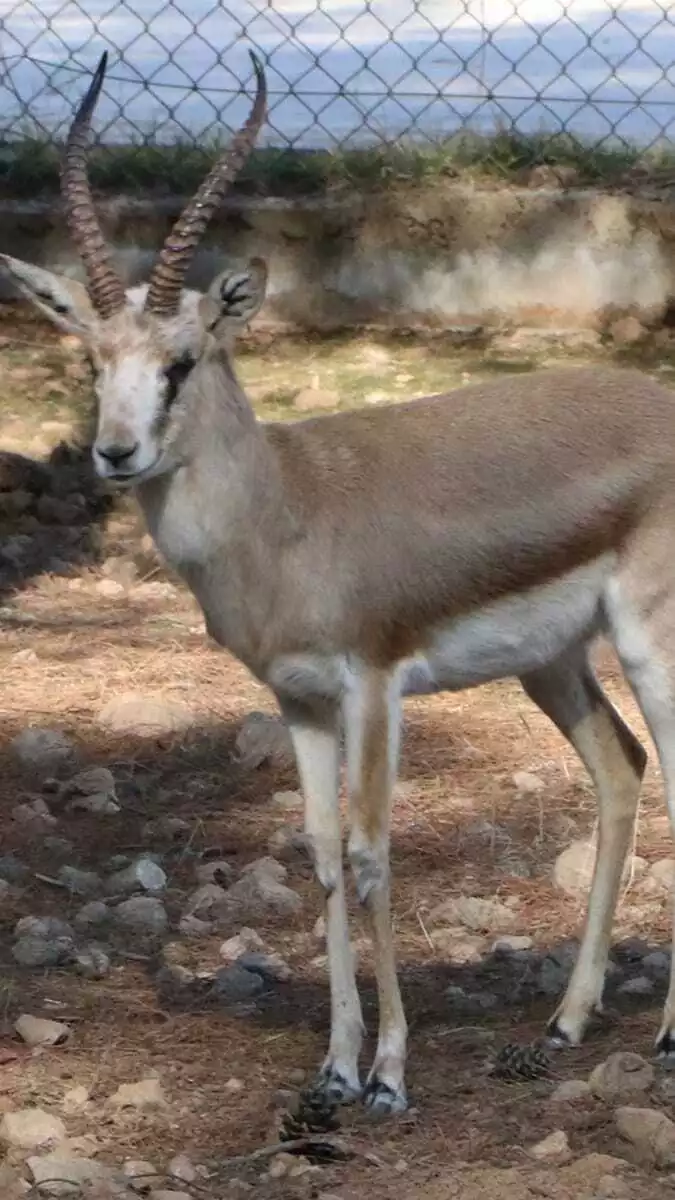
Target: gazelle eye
column 176, row 374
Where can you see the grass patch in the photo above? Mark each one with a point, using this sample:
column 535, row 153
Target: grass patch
column 29, row 164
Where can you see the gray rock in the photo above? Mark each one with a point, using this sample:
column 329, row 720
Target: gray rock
column 289, row 845
column 36, row 952
column 142, row 875
column 80, row 883
column 511, row 944
column 43, row 751
column 639, row 985
column 573, row 869
column 145, row 716
column 264, row 738
column 267, row 868
column 92, row 915
column 205, row 901
column 234, row 984
column 59, row 847
column 621, row 1076
column 12, row 869
column 92, row 963
column 218, row 871
column 476, row 913
column 174, row 829
column 34, row 813
column 652, row 1134
column 43, row 927
column 660, row 878
column 270, row 966
column 255, row 897
column 144, row 914
column 657, row 964
column 31, row 1129
column 5, row 890
column 101, row 804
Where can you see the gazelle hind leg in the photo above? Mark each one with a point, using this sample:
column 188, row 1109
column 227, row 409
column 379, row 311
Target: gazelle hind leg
column 641, row 610
column 317, row 750
column 372, row 729
column 570, row 695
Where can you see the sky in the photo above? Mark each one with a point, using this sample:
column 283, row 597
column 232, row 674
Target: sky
column 344, row 71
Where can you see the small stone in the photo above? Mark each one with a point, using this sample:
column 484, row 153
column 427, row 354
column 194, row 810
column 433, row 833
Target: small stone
column 650, row 1132
column 234, row 1085
column 219, row 871
column 194, row 927
column 36, row 952
column 204, row 902
column 92, row 915
column 145, row 716
column 657, row 964
column 573, row 869
column 264, row 739
column 267, row 868
column 289, row 801
column 639, row 985
column 143, row 874
column 270, row 966
column 141, row 1174
column 5, row 890
column 12, row 870
column 144, row 914
column 528, row 784
column 246, row 941
column 147, row 1093
column 477, row 914
column 31, row 1129
column 290, row 845
column 511, row 944
column 100, row 804
column 80, row 883
column 570, row 1090
column 281, row 1165
column 43, row 751
column 296, row 1077
column 37, row 1031
column 168, row 1194
column 43, row 927
column 75, row 1099
column 255, row 897
column 167, row 826
column 554, row 1149
column 61, row 1174
column 58, row 847
column 92, row 782
column 92, row 963
column 234, row 984
column 35, row 813
column 181, row 1168
column 660, row 878
column 621, row 1076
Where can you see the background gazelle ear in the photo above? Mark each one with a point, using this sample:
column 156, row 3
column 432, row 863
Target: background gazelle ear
column 235, row 296
column 63, row 300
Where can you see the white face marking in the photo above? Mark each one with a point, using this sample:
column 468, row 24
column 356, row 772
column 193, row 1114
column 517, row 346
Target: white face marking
column 133, row 387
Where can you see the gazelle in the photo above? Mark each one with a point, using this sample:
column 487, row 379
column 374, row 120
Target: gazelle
column 350, row 559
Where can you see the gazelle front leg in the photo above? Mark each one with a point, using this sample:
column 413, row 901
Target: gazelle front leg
column 372, row 730
column 317, row 749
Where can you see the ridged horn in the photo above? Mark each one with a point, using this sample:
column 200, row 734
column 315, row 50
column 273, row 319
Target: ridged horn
column 103, row 283
column 169, row 272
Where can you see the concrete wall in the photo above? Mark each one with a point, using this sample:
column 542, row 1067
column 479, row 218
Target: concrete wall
column 448, row 253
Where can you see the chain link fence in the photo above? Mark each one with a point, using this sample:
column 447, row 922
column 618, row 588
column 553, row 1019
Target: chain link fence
column 344, row 73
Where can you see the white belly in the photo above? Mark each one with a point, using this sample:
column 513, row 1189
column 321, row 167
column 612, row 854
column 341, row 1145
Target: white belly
column 514, row 636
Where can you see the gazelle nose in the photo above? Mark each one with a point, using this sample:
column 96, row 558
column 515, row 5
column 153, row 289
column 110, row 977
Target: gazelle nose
column 117, row 453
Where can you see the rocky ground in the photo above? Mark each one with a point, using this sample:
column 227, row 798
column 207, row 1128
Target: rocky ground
column 164, row 992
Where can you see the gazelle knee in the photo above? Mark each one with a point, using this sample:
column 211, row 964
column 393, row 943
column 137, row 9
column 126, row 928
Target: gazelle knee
column 370, row 867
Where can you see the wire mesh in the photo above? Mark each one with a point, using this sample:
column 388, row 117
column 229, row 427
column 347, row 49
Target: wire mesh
column 344, row 73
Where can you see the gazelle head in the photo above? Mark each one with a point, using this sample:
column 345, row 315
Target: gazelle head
column 144, row 343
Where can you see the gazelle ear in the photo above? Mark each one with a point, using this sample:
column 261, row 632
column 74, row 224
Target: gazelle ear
column 234, row 297
column 63, row 300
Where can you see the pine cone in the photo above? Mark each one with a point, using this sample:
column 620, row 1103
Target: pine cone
column 515, row 1062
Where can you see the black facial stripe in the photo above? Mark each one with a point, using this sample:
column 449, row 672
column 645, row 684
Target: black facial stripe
column 175, row 376
column 61, row 309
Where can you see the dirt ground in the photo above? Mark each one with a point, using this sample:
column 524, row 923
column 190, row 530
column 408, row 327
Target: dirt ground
column 460, row 823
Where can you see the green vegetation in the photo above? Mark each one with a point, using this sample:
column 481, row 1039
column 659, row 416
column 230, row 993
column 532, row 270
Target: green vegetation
column 29, row 164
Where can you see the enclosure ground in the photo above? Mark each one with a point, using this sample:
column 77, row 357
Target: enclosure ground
column 462, row 825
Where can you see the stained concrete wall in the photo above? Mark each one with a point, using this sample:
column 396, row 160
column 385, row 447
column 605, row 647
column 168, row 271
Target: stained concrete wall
column 448, row 254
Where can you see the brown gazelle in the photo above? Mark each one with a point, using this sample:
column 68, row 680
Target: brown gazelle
column 352, row 559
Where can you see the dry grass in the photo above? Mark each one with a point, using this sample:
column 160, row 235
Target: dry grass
column 66, row 649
